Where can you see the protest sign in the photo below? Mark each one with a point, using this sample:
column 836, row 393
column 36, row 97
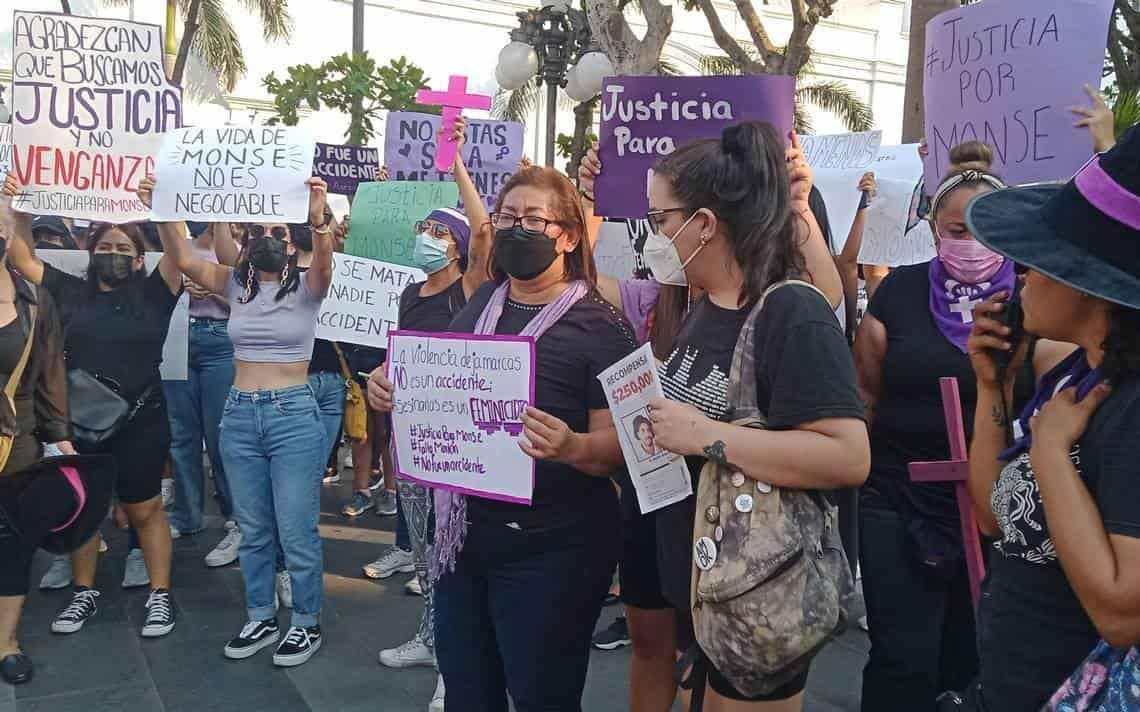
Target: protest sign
column 614, row 249
column 492, row 151
column 886, row 237
column 452, row 102
column 175, row 352
column 363, row 303
column 646, row 118
column 838, row 162
column 457, row 413
column 346, row 167
column 5, row 148
column 659, row 477
column 90, row 102
column 234, row 174
column 1005, row 73
column 384, row 217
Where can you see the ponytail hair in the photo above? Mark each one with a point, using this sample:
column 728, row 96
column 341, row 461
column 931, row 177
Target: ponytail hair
column 742, row 177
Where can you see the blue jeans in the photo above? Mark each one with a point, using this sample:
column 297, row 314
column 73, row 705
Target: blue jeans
column 271, row 453
column 195, row 407
column 329, row 390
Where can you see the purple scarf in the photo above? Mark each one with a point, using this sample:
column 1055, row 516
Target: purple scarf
column 451, row 507
column 1073, row 372
column 952, row 302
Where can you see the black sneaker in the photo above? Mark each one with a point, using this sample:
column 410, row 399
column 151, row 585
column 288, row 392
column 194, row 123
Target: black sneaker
column 614, row 637
column 254, row 636
column 159, row 614
column 82, row 607
column 299, row 645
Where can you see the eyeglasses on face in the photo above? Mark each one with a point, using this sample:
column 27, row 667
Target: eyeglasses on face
column 433, row 228
column 530, row 223
column 277, row 232
column 655, row 218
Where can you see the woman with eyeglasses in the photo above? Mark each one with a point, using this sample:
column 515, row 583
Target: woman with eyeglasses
column 272, row 436
column 520, row 587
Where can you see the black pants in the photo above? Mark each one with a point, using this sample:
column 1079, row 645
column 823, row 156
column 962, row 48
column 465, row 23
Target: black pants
column 922, row 626
column 28, row 513
column 517, row 615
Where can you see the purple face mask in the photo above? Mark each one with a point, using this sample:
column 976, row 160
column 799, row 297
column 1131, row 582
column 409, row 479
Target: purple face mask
column 969, row 261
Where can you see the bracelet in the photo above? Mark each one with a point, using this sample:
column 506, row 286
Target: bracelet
column 587, row 195
column 322, row 230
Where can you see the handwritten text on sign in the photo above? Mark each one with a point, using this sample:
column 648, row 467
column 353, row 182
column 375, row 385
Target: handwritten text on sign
column 346, row 167
column 647, row 118
column 889, row 237
column 492, row 151
column 839, row 161
column 90, row 103
column 384, row 217
column 363, row 303
column 457, row 418
column 1005, row 73
column 234, row 174
column 5, row 148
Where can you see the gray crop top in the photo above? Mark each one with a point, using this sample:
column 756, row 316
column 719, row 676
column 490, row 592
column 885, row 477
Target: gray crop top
column 270, row 331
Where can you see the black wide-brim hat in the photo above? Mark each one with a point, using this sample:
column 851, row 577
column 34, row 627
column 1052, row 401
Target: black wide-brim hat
column 1084, row 233
column 97, row 473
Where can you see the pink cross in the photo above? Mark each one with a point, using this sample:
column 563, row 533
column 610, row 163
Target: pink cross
column 453, row 101
column 957, row 470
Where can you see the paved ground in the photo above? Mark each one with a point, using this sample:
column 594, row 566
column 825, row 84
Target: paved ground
column 108, row 667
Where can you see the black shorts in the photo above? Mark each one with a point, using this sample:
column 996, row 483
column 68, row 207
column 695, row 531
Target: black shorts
column 140, row 450
column 637, row 570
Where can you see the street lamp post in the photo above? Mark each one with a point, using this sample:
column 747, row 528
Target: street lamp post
column 547, row 42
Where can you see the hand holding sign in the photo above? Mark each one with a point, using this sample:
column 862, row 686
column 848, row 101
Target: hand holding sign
column 545, row 437
column 453, row 101
column 677, row 426
column 800, row 175
column 1098, row 119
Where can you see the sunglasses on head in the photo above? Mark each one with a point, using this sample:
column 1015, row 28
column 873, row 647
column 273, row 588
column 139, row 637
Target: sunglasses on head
column 433, row 229
column 277, row 232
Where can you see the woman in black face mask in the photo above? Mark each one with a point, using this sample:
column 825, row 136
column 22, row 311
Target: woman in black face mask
column 528, row 581
column 115, row 323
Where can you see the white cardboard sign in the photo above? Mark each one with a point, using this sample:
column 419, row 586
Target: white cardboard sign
column 363, row 303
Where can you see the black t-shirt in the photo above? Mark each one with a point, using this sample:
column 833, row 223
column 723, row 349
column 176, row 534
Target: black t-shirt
column 119, row 334
column 804, row 372
column 432, row 314
column 1033, row 631
column 909, row 424
column 568, row 358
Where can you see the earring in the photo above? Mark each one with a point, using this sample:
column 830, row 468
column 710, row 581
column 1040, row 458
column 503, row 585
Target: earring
column 285, row 274
column 248, row 284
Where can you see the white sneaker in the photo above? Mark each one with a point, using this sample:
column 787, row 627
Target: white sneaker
column 135, row 574
column 58, row 575
column 175, row 533
column 394, row 561
column 226, row 552
column 348, row 460
column 413, row 653
column 437, row 698
column 167, row 493
column 284, row 589
column 413, row 587
column 103, row 548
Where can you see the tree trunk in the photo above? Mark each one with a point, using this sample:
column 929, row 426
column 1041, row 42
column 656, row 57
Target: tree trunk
column 583, row 120
column 188, row 33
column 914, row 116
column 630, row 55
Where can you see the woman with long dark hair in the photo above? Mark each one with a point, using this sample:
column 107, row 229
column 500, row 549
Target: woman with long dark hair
column 272, row 438
column 115, row 324
column 520, row 590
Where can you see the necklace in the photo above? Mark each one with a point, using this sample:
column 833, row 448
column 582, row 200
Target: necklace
column 525, row 307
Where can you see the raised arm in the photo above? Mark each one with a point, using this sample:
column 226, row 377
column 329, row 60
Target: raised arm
column 176, row 249
column 588, row 170
column 20, row 253
column 847, row 261
column 479, row 247
column 319, row 276
column 821, row 269
column 225, row 249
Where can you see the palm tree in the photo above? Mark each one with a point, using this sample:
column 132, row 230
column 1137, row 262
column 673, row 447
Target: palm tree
column 208, row 30
column 835, row 97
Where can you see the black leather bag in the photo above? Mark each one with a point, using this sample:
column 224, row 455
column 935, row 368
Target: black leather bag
column 98, row 410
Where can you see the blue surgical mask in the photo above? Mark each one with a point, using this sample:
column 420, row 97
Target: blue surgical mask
column 430, row 254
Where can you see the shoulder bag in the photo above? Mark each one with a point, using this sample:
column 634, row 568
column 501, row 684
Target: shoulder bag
column 771, row 582
column 8, row 434
column 1107, row 681
column 355, row 409
column 98, row 409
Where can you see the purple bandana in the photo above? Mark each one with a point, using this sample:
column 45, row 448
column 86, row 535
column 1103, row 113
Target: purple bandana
column 451, row 507
column 952, row 302
column 1073, row 372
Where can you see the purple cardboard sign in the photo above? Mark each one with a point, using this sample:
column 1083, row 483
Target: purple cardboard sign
column 647, row 118
column 457, row 415
column 492, row 151
column 1006, row 73
column 346, row 167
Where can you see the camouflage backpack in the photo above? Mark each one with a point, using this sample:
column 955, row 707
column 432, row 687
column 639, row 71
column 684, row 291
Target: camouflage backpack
column 770, row 583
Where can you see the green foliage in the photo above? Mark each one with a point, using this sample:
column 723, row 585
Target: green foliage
column 1126, row 111
column 565, row 143
column 355, row 85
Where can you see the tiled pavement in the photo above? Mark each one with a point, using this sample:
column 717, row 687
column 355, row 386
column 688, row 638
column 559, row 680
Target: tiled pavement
column 108, row 667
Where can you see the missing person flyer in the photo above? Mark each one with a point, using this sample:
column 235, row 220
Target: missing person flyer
column 659, row 476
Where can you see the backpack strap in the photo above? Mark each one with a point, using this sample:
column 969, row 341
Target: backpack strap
column 14, row 380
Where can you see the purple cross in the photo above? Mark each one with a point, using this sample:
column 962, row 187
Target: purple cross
column 453, row 101
column 957, row 470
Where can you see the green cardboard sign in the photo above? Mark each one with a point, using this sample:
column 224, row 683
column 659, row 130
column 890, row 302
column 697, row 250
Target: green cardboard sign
column 384, row 217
